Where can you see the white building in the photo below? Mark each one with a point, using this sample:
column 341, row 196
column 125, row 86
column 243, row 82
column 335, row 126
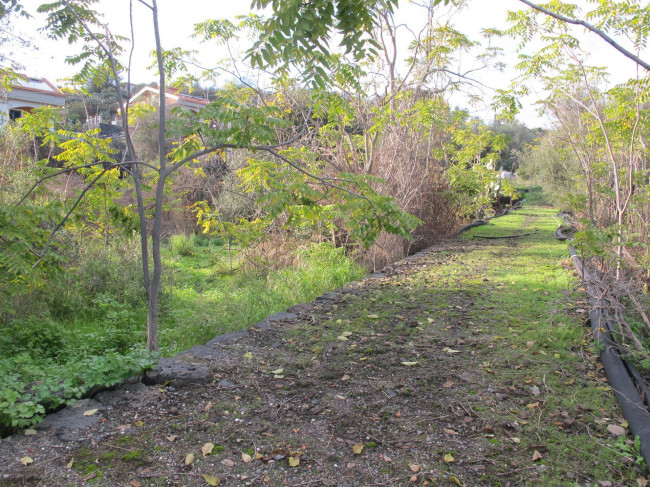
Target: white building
column 27, row 94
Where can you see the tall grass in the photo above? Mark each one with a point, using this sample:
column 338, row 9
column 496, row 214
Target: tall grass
column 86, row 325
column 204, row 299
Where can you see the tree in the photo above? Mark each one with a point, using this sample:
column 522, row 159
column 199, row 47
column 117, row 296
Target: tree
column 227, row 123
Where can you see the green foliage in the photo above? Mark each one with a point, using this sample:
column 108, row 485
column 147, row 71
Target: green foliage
column 473, row 177
column 27, row 388
column 349, row 204
column 299, row 34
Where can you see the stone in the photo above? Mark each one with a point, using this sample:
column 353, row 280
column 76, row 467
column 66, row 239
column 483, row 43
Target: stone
column 72, row 418
column 615, row 430
column 178, row 371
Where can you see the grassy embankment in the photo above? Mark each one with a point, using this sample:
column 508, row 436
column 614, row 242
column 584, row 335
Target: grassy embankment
column 88, row 326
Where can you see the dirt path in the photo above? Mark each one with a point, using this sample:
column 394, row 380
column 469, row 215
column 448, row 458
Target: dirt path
column 466, row 365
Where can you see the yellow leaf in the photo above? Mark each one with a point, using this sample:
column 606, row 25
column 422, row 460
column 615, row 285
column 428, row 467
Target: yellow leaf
column 207, row 449
column 246, row 458
column 450, row 350
column 537, row 456
column 208, row 406
column 277, row 371
column 346, row 334
column 357, row 449
column 456, row 481
column 449, row 458
column 248, row 355
column 373, row 317
column 532, row 405
column 409, row 364
column 30, row 432
column 189, row 459
column 294, row 461
column 211, row 480
column 27, row 461
column 515, row 440
column 625, row 424
column 139, row 423
column 90, row 412
column 171, row 438
column 69, row 464
column 414, row 468
column 342, row 338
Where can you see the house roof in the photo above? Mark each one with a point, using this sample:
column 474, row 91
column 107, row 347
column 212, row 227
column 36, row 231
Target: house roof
column 173, row 94
column 36, row 85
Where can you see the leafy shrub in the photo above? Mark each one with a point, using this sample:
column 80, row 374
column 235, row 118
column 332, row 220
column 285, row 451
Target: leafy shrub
column 28, row 388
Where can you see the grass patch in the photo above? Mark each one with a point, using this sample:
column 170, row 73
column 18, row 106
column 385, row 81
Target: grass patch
column 93, row 330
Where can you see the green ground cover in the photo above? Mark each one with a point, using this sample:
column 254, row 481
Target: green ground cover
column 87, row 328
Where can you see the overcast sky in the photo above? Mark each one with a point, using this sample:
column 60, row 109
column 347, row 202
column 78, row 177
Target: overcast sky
column 177, row 19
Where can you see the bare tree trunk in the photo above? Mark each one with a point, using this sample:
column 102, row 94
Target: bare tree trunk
column 154, row 290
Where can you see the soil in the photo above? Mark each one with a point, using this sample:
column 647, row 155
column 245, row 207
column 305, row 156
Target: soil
column 388, row 381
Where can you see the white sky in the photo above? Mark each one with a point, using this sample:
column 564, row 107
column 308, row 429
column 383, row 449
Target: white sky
column 177, row 19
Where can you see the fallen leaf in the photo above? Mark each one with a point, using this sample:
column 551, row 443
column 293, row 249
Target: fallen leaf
column 248, row 355
column 414, row 478
column 278, row 376
column 373, row 317
column 409, row 364
column 532, row 405
column 615, row 430
column 294, row 461
column 357, row 449
column 387, row 459
column 515, row 440
column 449, row 384
column 90, row 412
column 456, row 481
column 537, row 456
column 448, row 458
column 449, row 431
column 207, row 449
column 189, row 459
column 30, row 432
column 135, row 483
column 342, row 338
column 345, row 378
column 227, row 462
column 208, row 406
column 450, row 350
column 89, row 476
column 27, row 461
column 246, row 458
column 346, row 334
column 139, row 423
column 642, row 482
column 211, row 479
column 277, row 371
column 414, row 468
column 430, row 320
column 535, row 391
column 266, row 479
column 171, row 438
column 69, row 464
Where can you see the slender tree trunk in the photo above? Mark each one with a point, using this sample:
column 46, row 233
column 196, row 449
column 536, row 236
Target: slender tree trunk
column 156, row 233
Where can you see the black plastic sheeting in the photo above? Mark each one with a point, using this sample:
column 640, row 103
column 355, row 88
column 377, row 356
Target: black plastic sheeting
column 620, row 378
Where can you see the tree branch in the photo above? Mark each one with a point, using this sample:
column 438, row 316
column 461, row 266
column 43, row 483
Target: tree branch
column 591, row 28
column 67, row 215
